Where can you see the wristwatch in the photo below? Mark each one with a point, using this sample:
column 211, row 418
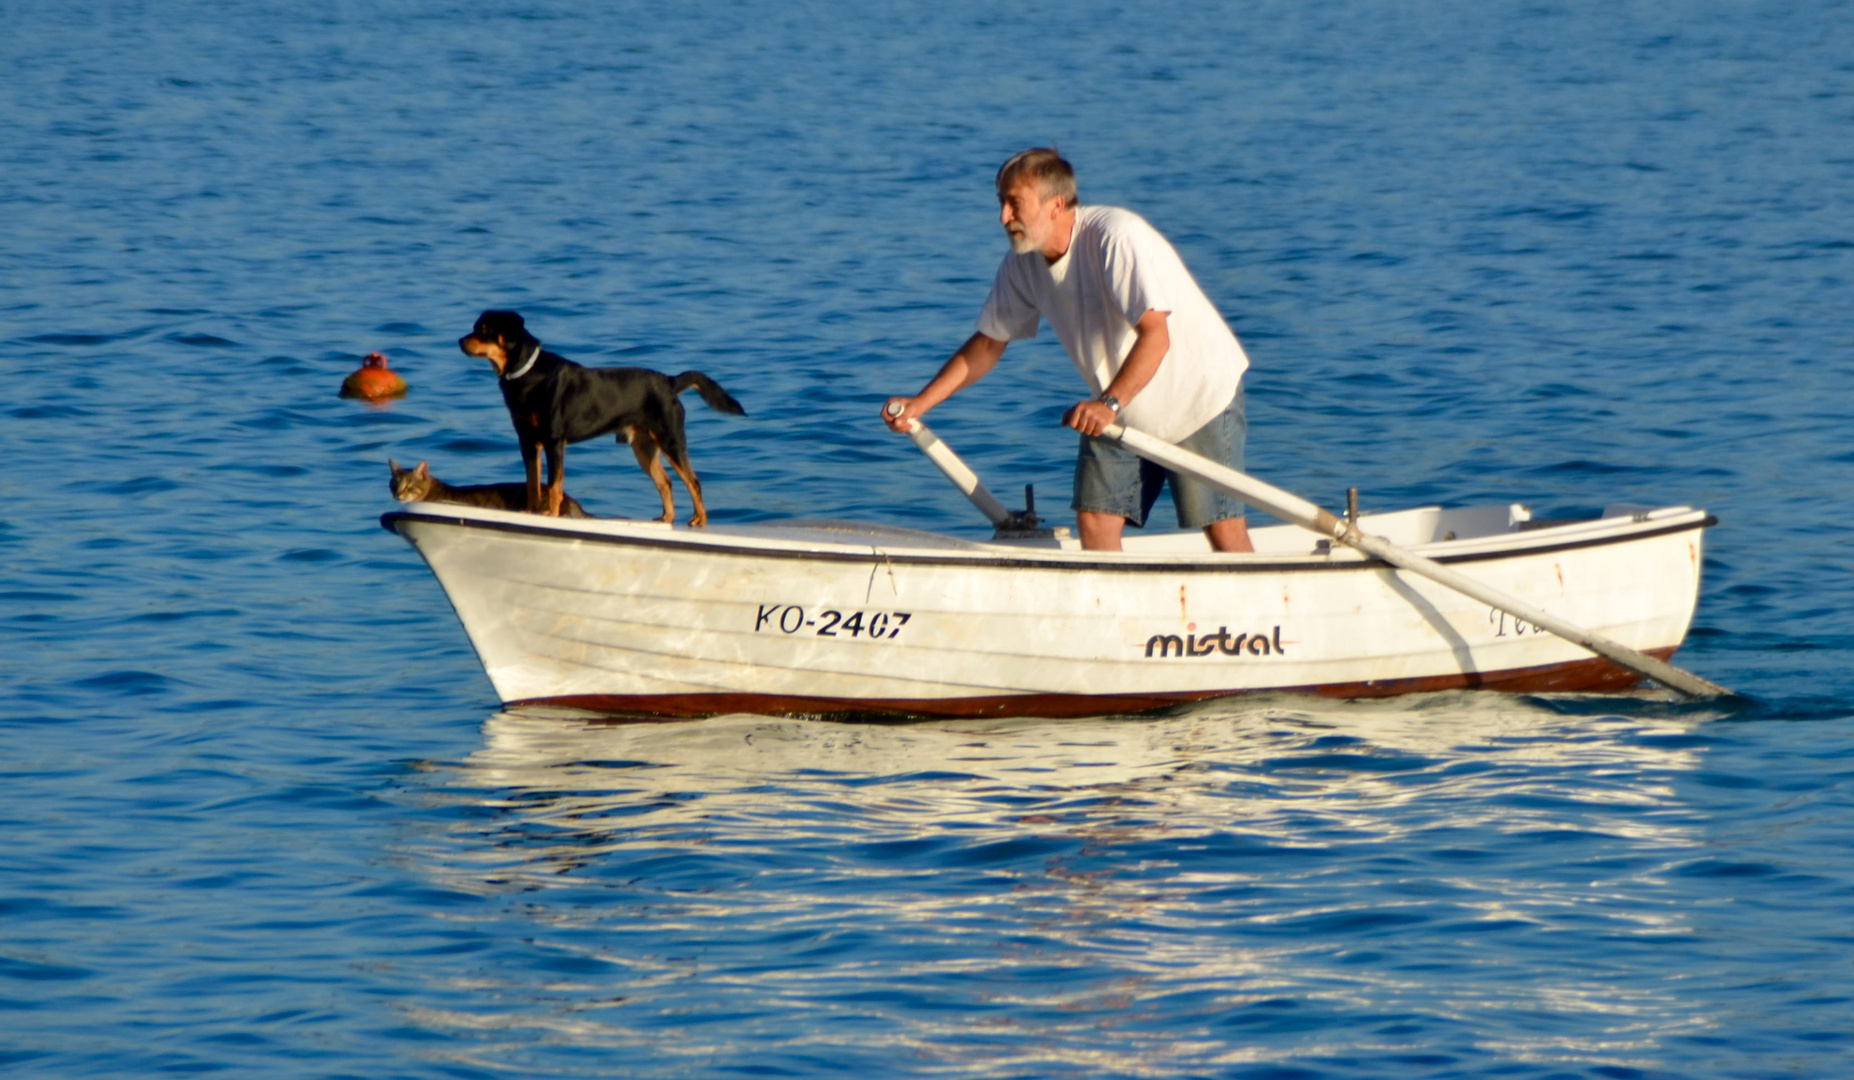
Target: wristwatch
column 1111, row 402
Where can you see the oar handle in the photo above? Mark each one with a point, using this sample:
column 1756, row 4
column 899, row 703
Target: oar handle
column 957, row 471
column 1284, row 505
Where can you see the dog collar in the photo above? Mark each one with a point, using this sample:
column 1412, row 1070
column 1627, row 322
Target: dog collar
column 523, row 370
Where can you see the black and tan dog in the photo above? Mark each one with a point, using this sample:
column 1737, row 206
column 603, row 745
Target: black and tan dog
column 554, row 401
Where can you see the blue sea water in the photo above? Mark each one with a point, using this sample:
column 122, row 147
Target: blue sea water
column 263, row 817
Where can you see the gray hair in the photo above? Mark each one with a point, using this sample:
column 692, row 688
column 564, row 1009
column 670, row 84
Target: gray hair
column 1043, row 164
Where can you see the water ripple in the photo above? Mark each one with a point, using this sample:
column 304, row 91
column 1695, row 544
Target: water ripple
column 257, row 822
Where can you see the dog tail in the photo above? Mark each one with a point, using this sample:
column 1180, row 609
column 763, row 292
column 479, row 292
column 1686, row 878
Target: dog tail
column 717, row 398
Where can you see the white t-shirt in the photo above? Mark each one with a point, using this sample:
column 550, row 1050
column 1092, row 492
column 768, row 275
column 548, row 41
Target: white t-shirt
column 1118, row 268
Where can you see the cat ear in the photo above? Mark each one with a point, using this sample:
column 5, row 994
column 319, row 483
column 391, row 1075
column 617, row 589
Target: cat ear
column 422, row 471
column 391, row 464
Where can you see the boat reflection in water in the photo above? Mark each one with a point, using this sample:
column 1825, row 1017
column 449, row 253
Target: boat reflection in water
column 1275, row 876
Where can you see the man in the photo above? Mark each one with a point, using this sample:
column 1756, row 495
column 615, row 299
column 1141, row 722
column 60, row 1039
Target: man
column 1150, row 345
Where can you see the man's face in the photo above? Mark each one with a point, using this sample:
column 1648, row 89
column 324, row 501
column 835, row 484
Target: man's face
column 1028, row 218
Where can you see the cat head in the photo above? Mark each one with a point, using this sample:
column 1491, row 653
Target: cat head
column 410, row 485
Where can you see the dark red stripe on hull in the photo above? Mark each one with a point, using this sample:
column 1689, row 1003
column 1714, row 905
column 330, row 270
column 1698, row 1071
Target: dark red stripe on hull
column 1579, row 675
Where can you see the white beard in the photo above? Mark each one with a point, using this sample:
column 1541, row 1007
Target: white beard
column 1021, row 243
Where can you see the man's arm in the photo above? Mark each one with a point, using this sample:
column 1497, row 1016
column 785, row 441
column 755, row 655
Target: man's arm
column 1153, row 339
column 972, row 362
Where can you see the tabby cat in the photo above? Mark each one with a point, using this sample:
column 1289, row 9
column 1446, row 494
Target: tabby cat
column 418, row 485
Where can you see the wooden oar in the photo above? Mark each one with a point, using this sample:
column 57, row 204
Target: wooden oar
column 1292, row 508
column 957, row 471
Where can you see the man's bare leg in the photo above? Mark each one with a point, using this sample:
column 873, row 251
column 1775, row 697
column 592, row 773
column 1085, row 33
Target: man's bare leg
column 1230, row 534
column 1100, row 532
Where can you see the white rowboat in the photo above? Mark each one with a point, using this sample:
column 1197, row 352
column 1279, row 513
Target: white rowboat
column 844, row 618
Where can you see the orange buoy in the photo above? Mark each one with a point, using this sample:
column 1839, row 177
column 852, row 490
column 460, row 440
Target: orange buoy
column 374, row 380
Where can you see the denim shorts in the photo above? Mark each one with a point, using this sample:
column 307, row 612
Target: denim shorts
column 1110, row 479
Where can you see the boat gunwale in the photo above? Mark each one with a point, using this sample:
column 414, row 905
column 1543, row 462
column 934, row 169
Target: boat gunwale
column 1525, row 544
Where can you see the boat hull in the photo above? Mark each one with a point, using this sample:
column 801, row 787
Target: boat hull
column 638, row 618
